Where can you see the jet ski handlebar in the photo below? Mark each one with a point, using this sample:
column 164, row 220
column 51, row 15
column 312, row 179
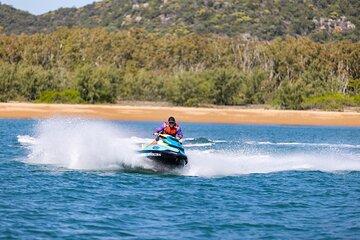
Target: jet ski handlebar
column 161, row 135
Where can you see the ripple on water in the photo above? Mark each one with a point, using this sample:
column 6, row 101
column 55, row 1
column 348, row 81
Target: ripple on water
column 301, row 191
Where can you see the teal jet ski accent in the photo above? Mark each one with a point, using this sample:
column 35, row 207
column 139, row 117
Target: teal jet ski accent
column 168, row 150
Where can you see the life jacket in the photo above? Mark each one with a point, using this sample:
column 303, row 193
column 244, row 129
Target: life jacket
column 170, row 130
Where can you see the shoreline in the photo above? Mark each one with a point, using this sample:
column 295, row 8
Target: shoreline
column 224, row 115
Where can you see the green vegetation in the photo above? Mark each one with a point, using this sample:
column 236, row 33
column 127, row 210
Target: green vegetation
column 331, row 101
column 322, row 20
column 74, row 65
column 65, row 96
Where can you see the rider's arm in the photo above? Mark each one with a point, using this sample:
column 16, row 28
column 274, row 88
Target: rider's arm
column 179, row 133
column 160, row 129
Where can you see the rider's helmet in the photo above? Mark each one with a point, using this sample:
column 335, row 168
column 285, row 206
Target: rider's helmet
column 171, row 121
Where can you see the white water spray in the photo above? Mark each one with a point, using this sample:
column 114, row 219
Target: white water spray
column 221, row 163
column 97, row 145
column 81, row 144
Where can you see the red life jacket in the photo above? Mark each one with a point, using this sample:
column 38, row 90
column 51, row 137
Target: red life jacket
column 171, row 130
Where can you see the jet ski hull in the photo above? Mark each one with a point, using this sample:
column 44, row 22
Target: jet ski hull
column 166, row 151
column 167, row 158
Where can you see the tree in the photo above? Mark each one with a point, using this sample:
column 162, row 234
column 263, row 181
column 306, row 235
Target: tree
column 98, row 85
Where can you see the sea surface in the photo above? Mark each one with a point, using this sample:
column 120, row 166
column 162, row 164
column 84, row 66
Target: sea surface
column 82, row 179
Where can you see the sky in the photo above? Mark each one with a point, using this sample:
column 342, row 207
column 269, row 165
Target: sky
column 42, row 6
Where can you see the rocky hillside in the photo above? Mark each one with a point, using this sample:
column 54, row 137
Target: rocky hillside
column 261, row 19
column 16, row 21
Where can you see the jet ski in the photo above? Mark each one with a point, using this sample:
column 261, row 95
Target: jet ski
column 167, row 151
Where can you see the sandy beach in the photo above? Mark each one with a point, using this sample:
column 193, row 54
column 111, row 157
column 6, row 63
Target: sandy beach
column 183, row 114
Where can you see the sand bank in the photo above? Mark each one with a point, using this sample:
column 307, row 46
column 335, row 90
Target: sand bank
column 183, row 114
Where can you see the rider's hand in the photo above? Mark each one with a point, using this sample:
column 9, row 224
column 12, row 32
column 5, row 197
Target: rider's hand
column 157, row 137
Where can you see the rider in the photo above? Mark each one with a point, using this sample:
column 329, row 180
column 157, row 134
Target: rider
column 171, row 128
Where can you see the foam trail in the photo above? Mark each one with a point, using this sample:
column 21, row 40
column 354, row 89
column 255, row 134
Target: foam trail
column 81, row 144
column 211, row 163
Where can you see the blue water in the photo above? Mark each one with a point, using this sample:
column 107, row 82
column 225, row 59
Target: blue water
column 73, row 178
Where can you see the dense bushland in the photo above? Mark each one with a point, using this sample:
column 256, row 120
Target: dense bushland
column 100, row 66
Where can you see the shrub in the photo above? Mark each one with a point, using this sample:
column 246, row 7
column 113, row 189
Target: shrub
column 9, row 88
column 252, row 90
column 331, row 101
column 143, row 86
column 227, row 84
column 290, row 96
column 71, row 96
column 189, row 89
column 98, row 85
column 356, row 100
column 354, row 86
